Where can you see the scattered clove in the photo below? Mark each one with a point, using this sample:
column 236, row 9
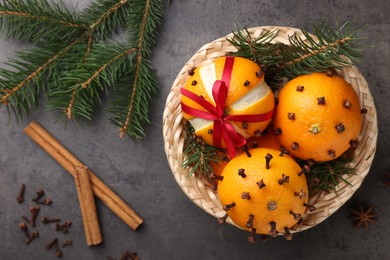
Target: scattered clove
column 229, row 206
column 39, row 193
column 20, row 197
column 51, row 244
column 241, row 172
column 261, row 184
column 273, row 232
column 46, row 220
column 252, row 236
column 67, row 243
column 245, row 196
column 249, row 223
column 284, row 179
column 24, row 228
column 46, row 201
column 64, row 228
column 127, row 255
column 364, row 111
column 34, row 210
column 268, row 158
column 287, row 234
column 34, row 235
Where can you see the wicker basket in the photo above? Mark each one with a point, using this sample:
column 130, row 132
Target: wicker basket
column 199, row 191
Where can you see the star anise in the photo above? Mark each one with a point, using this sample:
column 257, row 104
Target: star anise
column 363, row 215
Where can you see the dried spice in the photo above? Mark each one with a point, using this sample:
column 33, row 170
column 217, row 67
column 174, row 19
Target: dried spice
column 20, row 197
column 363, row 216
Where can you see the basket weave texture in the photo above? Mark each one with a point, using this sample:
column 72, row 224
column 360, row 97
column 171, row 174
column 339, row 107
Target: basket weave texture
column 199, row 191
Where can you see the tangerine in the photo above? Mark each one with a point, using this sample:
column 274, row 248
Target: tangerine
column 265, row 193
column 318, row 116
column 247, row 94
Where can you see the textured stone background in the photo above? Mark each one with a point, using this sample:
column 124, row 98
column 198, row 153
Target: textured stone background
column 175, row 228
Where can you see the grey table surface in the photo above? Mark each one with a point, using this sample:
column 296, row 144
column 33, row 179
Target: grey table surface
column 138, row 171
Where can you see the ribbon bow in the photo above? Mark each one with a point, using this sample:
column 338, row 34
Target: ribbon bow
column 222, row 129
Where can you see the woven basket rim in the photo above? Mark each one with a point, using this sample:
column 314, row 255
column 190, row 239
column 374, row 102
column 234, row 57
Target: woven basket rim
column 199, row 191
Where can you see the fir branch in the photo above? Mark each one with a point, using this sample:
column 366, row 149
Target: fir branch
column 329, row 48
column 84, row 83
column 30, row 65
column 199, row 155
column 146, row 15
column 39, row 20
column 325, row 176
column 106, row 16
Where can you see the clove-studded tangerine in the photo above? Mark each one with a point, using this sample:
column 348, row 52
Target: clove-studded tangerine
column 327, row 116
column 276, row 189
column 248, row 94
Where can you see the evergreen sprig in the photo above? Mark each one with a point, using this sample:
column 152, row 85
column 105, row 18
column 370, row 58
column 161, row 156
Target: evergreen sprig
column 329, row 48
column 199, row 155
column 76, row 64
column 39, row 20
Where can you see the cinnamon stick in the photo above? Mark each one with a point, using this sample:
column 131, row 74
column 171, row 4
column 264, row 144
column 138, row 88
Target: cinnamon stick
column 68, row 161
column 87, row 206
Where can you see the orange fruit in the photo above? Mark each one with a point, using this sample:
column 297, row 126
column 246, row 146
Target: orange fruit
column 271, row 199
column 267, row 139
column 247, row 94
column 317, row 117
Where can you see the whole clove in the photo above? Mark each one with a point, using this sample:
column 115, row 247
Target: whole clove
column 268, row 158
column 64, row 228
column 191, row 72
column 252, row 236
column 347, row 103
column 20, row 197
column 214, row 176
column 305, row 169
column 222, row 219
column 241, row 172
column 291, row 116
column 301, row 194
column 229, row 206
column 246, row 150
column 284, row 179
column 287, row 234
column 24, row 228
column 127, row 255
column 278, row 131
column 46, row 220
column 249, row 223
column 283, row 151
column 309, row 207
column 246, row 83
column 67, row 243
column 261, row 184
column 321, row 100
column 34, row 235
column 296, row 216
column 245, row 196
column 332, row 153
column 300, row 88
column 273, row 232
column 51, row 243
column 39, row 195
column 295, row 146
column 340, row 128
column 46, row 201
column 34, row 210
